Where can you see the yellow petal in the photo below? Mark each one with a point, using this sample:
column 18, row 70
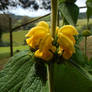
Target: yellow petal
column 34, row 41
column 35, row 30
column 68, row 30
column 30, row 42
column 65, row 42
column 57, row 29
column 67, row 54
column 53, row 48
column 38, row 53
column 44, row 24
column 45, row 44
column 72, row 38
column 46, row 55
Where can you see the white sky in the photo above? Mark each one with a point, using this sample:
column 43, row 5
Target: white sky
column 29, row 12
column 81, row 3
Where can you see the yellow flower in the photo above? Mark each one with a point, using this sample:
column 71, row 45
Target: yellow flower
column 46, row 49
column 68, row 30
column 40, row 38
column 46, row 43
column 44, row 25
column 57, row 28
column 66, row 40
column 36, row 34
column 35, row 39
column 45, row 55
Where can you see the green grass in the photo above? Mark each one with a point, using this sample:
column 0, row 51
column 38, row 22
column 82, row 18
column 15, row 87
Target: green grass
column 18, row 37
column 18, row 41
column 5, row 51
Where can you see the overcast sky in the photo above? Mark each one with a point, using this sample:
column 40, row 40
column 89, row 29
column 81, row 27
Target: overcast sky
column 29, row 12
column 81, row 3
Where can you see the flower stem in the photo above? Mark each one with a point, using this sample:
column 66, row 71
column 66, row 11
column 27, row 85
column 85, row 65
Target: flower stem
column 53, row 16
column 50, row 77
column 53, row 29
column 58, row 18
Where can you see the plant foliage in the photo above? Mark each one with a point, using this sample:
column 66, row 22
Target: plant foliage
column 89, row 8
column 69, row 12
column 23, row 74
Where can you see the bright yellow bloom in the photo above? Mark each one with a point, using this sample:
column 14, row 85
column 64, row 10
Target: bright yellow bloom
column 68, row 30
column 35, row 39
column 45, row 55
column 46, row 49
column 44, row 25
column 41, row 39
column 67, row 54
column 36, row 34
column 66, row 41
column 46, row 43
column 57, row 28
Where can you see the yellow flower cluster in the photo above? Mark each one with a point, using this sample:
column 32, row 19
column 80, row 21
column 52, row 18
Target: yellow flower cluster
column 40, row 39
column 66, row 40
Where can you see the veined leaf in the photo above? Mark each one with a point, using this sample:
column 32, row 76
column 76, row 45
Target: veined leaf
column 23, row 74
column 82, row 70
column 68, row 79
column 89, row 8
column 70, row 12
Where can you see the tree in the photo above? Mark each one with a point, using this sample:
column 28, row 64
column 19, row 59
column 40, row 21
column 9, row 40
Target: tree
column 4, row 24
column 33, row 4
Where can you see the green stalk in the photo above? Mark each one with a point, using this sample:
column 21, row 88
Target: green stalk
column 53, row 29
column 58, row 18
column 53, row 17
column 50, row 77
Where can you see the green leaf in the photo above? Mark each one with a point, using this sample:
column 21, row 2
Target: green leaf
column 35, row 80
column 23, row 74
column 89, row 8
column 78, row 39
column 82, row 70
column 67, row 78
column 78, row 57
column 70, row 12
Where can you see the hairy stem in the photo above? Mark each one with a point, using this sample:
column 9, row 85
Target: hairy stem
column 53, row 16
column 50, row 77
column 58, row 18
column 53, row 29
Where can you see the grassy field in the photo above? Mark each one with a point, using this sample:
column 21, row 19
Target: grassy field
column 18, row 37
column 18, row 43
column 5, row 53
